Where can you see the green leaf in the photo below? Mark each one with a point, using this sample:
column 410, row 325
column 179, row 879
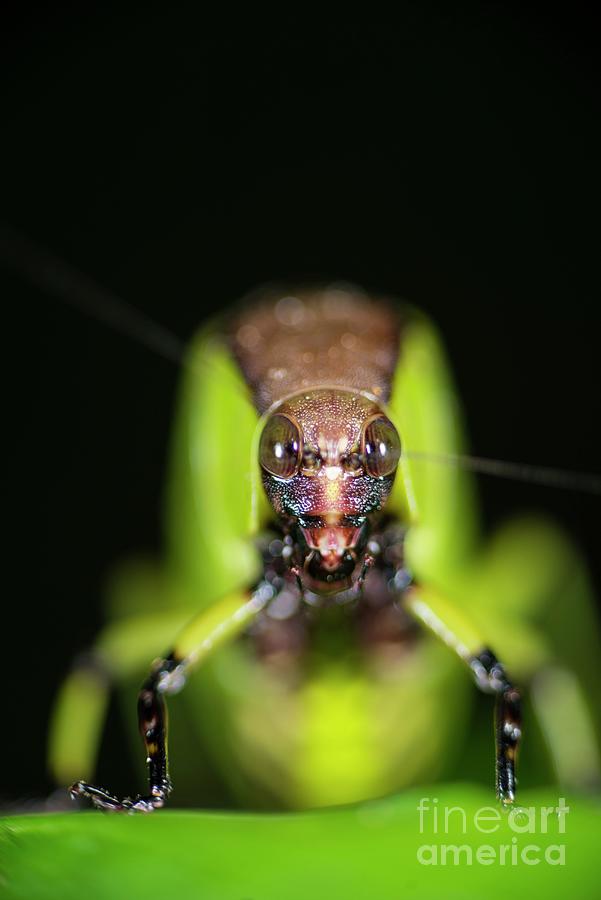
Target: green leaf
column 368, row 851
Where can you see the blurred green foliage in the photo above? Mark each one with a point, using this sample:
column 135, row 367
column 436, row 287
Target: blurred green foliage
column 365, row 851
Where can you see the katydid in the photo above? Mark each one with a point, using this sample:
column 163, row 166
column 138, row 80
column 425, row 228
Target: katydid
column 329, row 580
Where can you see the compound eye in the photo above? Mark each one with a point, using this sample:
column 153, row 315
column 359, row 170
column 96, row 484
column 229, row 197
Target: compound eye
column 381, row 447
column 280, row 446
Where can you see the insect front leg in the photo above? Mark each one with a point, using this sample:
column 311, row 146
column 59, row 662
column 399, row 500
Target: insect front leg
column 449, row 624
column 491, row 677
column 209, row 630
column 80, row 707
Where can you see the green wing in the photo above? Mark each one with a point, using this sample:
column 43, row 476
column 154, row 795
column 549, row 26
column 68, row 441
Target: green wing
column 526, row 591
column 434, row 496
column 214, row 497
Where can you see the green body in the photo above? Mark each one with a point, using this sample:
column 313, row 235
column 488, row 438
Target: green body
column 352, row 727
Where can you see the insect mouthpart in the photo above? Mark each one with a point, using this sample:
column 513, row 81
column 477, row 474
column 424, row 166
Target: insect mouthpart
column 334, row 551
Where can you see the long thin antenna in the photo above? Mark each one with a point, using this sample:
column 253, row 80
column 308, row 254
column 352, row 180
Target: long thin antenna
column 56, row 277
column 546, row 476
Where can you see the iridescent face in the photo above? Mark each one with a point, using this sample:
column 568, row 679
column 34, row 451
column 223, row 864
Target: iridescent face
column 328, row 459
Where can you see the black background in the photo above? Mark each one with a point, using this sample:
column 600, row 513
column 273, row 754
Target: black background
column 450, row 156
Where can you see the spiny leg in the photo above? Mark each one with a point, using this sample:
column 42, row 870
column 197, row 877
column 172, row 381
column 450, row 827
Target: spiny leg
column 152, row 723
column 210, row 629
column 120, row 651
column 450, row 624
column 491, row 677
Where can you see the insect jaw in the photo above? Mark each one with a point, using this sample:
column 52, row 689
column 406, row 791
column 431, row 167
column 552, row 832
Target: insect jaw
column 332, row 549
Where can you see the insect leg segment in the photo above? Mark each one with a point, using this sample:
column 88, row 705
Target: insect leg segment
column 491, row 677
column 450, row 624
column 121, row 650
column 152, row 721
column 210, row 629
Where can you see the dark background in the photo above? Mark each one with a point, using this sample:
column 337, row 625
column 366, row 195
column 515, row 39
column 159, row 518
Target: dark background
column 450, row 156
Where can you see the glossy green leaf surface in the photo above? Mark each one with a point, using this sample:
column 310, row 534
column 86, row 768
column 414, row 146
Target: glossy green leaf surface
column 368, row 851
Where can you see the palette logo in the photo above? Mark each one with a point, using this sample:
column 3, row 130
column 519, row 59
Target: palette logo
column 521, row 849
